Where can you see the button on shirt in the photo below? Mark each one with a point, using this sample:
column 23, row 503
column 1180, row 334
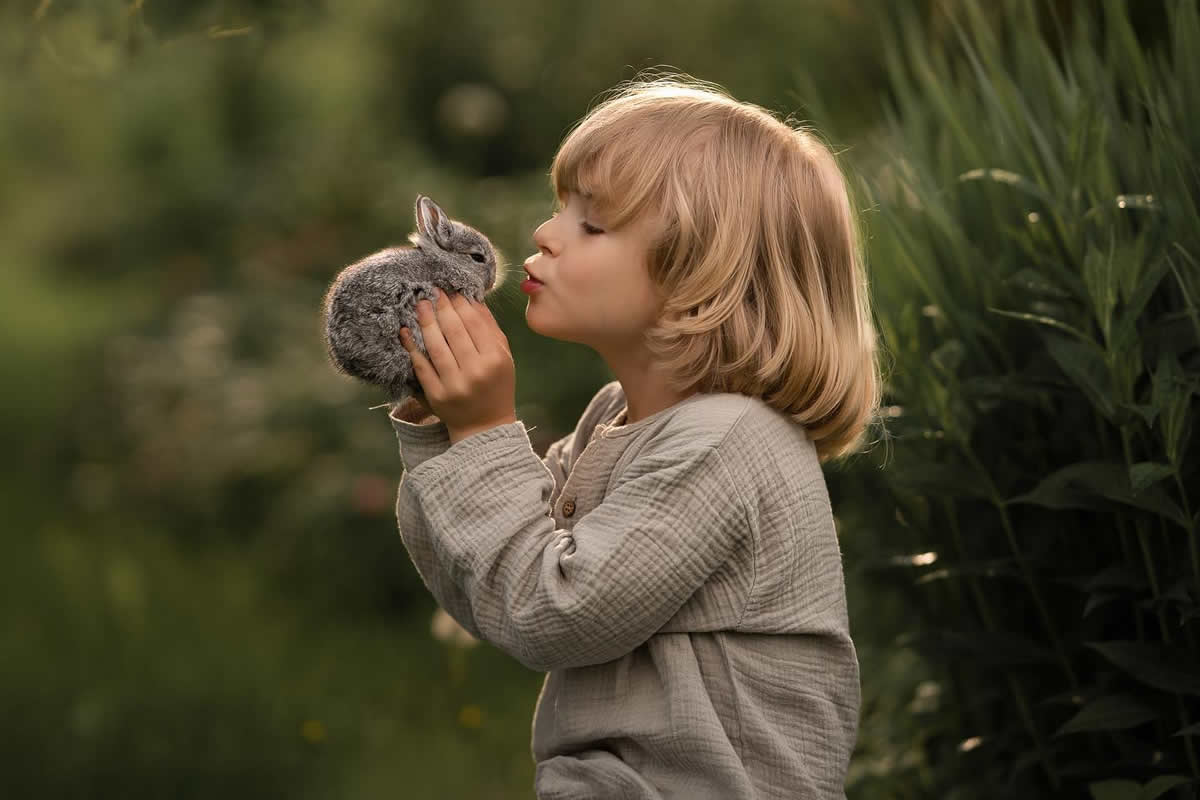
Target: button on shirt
column 678, row 579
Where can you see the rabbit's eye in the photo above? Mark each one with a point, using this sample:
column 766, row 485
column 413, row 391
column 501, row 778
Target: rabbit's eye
column 478, row 257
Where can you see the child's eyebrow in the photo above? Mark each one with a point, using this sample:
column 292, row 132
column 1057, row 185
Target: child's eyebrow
column 588, row 208
column 586, row 197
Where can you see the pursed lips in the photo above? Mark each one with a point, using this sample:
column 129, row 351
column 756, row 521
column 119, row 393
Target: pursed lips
column 529, row 272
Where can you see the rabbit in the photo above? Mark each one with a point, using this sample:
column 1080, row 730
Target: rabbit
column 372, row 299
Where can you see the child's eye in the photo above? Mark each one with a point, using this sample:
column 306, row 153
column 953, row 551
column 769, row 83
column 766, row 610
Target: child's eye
column 589, row 229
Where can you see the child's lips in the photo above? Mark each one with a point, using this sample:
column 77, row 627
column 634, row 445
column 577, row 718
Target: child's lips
column 530, row 272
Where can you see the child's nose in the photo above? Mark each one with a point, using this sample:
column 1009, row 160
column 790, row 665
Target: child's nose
column 543, row 240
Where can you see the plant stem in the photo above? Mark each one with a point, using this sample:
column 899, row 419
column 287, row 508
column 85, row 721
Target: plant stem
column 1144, row 540
column 1127, row 557
column 1123, row 533
column 1186, row 625
column 1023, row 706
column 1192, row 545
column 1026, row 572
column 1147, row 556
column 1187, row 298
column 985, row 613
column 1187, row 740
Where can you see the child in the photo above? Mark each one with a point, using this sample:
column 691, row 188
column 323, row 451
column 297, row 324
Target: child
column 672, row 564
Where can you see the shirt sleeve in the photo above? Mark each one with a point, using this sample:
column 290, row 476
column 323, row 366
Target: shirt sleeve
column 418, row 444
column 478, row 524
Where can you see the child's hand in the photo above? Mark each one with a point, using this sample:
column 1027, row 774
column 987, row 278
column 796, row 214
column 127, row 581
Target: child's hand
column 471, row 382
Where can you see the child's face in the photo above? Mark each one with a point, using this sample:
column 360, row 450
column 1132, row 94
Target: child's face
column 597, row 290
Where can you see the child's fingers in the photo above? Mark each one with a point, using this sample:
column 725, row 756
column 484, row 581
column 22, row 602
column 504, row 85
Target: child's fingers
column 426, row 374
column 486, row 314
column 440, row 351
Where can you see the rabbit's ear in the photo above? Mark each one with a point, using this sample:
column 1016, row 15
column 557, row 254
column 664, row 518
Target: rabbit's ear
column 432, row 222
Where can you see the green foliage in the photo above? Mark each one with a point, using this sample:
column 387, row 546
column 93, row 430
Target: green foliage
column 1037, row 275
column 201, row 562
column 145, row 672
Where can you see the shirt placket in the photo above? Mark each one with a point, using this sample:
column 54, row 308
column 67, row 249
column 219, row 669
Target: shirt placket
column 574, row 501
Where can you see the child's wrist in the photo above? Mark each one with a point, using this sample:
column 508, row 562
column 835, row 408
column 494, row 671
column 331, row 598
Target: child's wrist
column 413, row 411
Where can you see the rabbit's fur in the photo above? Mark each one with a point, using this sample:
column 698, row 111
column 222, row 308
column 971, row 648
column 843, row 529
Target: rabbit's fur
column 372, row 299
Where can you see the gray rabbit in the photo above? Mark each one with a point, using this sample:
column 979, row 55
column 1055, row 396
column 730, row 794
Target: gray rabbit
column 372, row 299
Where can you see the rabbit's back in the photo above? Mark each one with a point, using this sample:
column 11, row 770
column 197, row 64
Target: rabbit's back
column 365, row 308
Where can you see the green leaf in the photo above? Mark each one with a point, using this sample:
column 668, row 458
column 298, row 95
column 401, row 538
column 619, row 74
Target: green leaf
column 995, row 568
column 1148, row 281
column 1114, row 790
column 1161, row 666
column 1082, row 485
column 1120, row 789
column 1008, row 178
column 1120, row 575
column 1099, row 278
column 942, row 480
column 1176, row 599
column 1172, row 392
column 1000, row 648
column 1031, row 280
column 1147, row 411
column 1042, row 320
column 1084, row 365
column 1123, row 52
column 992, row 391
column 948, row 356
column 1097, row 599
column 1145, row 473
column 1060, row 491
column 1190, row 730
column 1161, row 785
column 1110, row 713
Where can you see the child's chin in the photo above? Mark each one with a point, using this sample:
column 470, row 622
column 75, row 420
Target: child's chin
column 538, row 324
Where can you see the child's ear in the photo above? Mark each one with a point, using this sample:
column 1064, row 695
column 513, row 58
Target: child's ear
column 432, row 222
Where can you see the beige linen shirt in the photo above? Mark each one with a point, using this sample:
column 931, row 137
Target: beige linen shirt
column 678, row 579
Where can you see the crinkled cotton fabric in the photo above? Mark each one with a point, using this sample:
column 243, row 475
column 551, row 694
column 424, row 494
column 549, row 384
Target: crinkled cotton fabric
column 679, row 581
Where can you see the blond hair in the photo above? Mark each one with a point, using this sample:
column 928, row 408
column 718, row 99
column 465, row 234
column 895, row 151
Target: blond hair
column 756, row 251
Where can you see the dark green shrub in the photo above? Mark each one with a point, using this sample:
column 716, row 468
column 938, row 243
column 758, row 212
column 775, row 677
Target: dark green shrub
column 1037, row 247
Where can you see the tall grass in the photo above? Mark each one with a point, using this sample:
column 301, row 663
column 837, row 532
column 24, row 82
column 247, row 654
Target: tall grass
column 1036, row 246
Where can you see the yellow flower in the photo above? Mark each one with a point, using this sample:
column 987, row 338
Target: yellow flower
column 313, row 730
column 470, row 716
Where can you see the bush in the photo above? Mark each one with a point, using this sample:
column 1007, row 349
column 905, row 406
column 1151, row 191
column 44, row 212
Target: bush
column 1038, row 260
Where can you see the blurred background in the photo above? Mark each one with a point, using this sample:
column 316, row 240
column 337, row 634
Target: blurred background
column 205, row 593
